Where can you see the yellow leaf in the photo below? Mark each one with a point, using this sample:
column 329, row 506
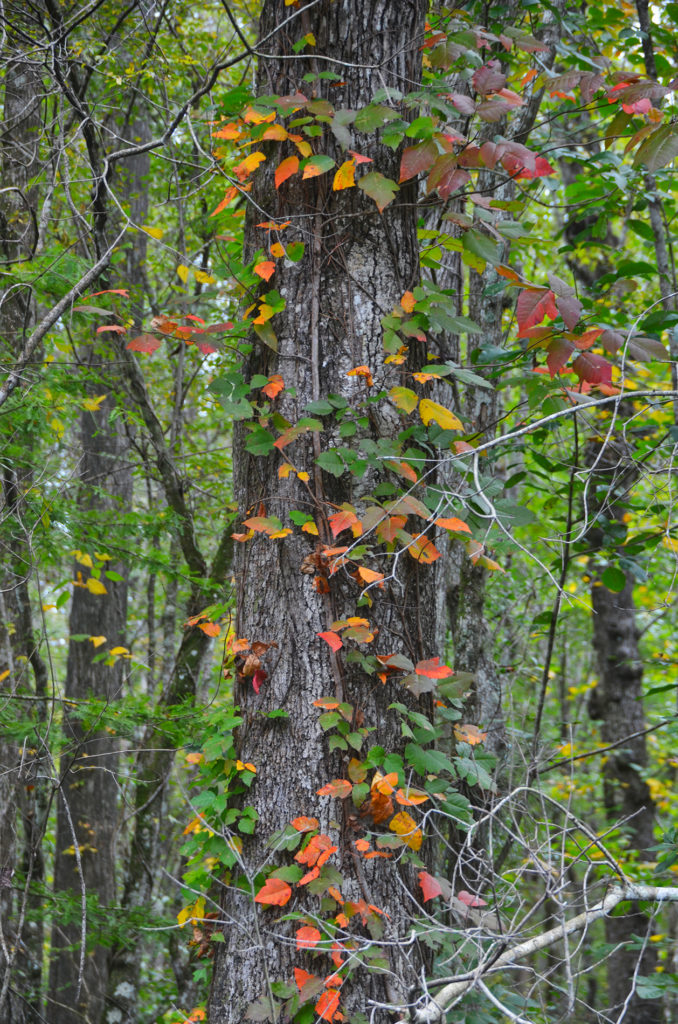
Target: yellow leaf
column 95, row 586
column 3, row 675
column 304, row 148
column 97, row 640
column 245, row 764
column 671, row 543
column 92, row 404
column 285, row 470
column 119, row 650
column 83, row 559
column 182, row 272
column 406, row 827
column 429, row 410
column 304, row 477
column 310, row 527
column 277, row 250
column 345, row 176
column 203, row 278
column 48, row 607
column 154, row 232
column 309, row 39
column 102, row 558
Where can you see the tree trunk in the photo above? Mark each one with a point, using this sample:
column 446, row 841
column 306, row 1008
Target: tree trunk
column 617, row 701
column 85, row 859
column 357, row 264
column 21, row 933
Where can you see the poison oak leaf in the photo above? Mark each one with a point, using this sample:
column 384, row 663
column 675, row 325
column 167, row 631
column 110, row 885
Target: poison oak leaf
column 405, row 826
column 433, row 669
column 332, row 639
column 430, row 886
column 453, row 524
column 274, row 892
column 309, row 876
column 304, row 824
column 286, row 169
column 302, row 977
column 318, row 850
column 308, row 938
column 339, row 788
column 328, row 1005
column 265, row 269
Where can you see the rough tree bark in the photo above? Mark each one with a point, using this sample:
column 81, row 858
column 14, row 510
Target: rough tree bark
column 617, row 702
column 85, row 858
column 357, row 265
column 21, row 933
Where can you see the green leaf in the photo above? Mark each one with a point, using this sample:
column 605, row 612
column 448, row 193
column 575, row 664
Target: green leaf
column 379, row 188
column 260, row 441
column 404, row 398
column 374, row 116
column 480, row 245
column 331, row 462
column 614, row 579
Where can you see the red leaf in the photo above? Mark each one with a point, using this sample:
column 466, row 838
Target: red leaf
column 114, row 328
column 542, row 169
column 144, row 343
column 534, row 304
column 344, row 520
column 110, row 291
column 417, row 159
column 274, row 892
column 258, row 678
column 433, row 669
column 338, row 787
column 559, row 351
column 570, row 309
column 205, row 348
column 592, row 368
column 470, row 900
column 332, row 639
column 308, row 938
column 430, row 886
column 328, row 1004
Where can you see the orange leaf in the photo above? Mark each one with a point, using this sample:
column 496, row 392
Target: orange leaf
column 433, row 669
column 409, row 797
column 361, row 371
column 249, row 164
column 335, row 894
column 359, row 158
column 274, row 386
column 344, row 520
column 332, row 639
column 328, row 1004
column 345, row 176
column 304, row 824
column 265, row 269
column 453, row 524
column 385, row 783
column 286, row 169
column 408, row 302
column 274, row 892
column 470, row 734
column 317, row 852
column 275, row 132
column 277, row 250
column 308, row 938
column 338, row 787
column 430, row 886
column 423, row 550
column 362, row 845
column 210, row 628
column 309, row 876
column 369, row 575
column 302, row 977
